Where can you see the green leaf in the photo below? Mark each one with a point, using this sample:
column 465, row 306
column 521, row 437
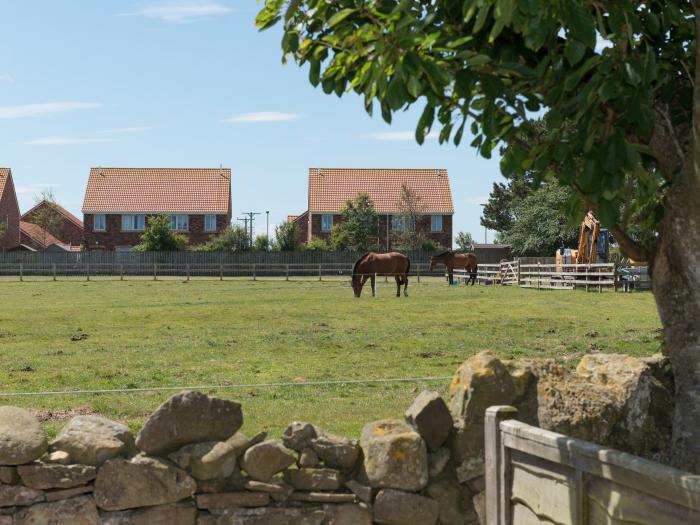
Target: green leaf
column 424, row 123
column 632, row 72
column 339, row 17
column 413, row 86
column 574, row 51
column 580, row 23
column 478, row 60
column 463, row 83
column 314, row 72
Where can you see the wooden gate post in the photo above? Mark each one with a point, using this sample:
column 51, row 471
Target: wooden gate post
column 497, row 465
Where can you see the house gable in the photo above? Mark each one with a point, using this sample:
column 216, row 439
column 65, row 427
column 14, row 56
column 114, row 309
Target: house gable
column 9, row 211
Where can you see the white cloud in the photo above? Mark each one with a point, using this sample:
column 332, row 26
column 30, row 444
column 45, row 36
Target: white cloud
column 135, row 129
column 64, row 141
column 33, row 189
column 181, row 12
column 39, row 110
column 264, row 116
column 402, row 135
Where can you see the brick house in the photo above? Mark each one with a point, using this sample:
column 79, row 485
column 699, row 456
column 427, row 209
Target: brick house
column 67, row 234
column 118, row 202
column 9, row 211
column 331, row 188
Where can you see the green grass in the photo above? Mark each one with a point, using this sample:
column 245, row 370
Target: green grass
column 141, row 333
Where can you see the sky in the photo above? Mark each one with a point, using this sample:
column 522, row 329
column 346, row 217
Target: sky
column 150, row 83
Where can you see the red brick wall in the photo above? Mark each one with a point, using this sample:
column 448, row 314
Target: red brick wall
column 444, row 237
column 67, row 231
column 9, row 216
column 114, row 236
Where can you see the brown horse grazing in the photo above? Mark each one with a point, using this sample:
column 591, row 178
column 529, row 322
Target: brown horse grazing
column 453, row 260
column 372, row 264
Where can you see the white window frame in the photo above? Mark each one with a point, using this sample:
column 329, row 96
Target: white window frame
column 179, row 222
column 433, row 219
column 103, row 228
column 133, row 222
column 400, row 223
column 326, row 217
column 207, row 227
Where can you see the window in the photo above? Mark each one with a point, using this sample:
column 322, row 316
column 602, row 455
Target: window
column 133, row 223
column 326, row 222
column 436, row 223
column 210, row 223
column 179, row 223
column 99, row 223
column 401, row 223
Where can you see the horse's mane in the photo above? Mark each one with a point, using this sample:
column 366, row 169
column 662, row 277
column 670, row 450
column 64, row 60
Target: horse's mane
column 448, row 252
column 354, row 268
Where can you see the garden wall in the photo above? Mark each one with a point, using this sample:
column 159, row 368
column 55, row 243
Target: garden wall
column 190, row 464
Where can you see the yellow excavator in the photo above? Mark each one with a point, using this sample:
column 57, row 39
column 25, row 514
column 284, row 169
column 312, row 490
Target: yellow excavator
column 593, row 245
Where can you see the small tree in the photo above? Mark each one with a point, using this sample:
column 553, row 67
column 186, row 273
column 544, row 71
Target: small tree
column 234, row 238
column 262, row 243
column 158, row 237
column 315, row 245
column 286, row 236
column 340, row 238
column 464, row 241
column 45, row 215
column 359, row 219
column 409, row 237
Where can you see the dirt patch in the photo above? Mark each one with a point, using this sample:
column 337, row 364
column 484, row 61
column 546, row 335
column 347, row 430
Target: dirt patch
column 58, row 414
column 430, row 355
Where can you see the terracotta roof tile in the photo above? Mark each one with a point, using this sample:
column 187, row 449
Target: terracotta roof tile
column 37, row 234
column 330, row 188
column 158, row 190
column 4, row 176
column 59, row 209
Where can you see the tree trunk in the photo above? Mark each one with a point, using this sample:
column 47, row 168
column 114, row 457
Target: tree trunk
column 676, row 283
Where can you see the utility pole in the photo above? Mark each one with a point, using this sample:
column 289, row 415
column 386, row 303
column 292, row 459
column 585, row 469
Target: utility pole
column 267, row 228
column 251, row 217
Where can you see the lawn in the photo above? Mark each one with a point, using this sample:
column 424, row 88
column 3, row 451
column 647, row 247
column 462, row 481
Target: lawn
column 73, row 335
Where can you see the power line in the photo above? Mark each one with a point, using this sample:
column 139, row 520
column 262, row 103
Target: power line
column 226, row 387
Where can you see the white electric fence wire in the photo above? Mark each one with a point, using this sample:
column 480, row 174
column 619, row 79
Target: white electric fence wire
column 225, row 387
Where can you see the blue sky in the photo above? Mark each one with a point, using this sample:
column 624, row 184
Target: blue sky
column 190, row 84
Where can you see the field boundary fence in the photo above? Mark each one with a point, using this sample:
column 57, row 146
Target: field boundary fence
column 553, row 276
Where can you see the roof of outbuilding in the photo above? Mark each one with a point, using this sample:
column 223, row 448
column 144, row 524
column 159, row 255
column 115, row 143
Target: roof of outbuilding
column 331, row 188
column 37, row 234
column 158, row 190
column 59, row 209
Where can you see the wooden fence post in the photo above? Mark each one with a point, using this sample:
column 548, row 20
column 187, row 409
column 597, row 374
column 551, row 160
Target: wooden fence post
column 518, row 283
column 87, row 271
column 187, row 269
column 286, row 272
column 221, row 271
column 319, row 273
column 254, row 276
column 155, row 271
column 497, row 464
column 586, row 278
column 538, row 275
column 121, row 272
column 418, row 272
column 21, row 272
column 53, row 270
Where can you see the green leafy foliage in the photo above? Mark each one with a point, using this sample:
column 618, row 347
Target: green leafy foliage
column 464, row 241
column 359, row 223
column 262, row 243
column 340, row 238
column 233, row 239
column 490, row 65
column 157, row 237
column 315, row 245
column 286, row 236
column 540, row 225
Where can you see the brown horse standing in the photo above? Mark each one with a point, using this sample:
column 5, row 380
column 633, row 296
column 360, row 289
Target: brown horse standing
column 453, row 260
column 372, row 264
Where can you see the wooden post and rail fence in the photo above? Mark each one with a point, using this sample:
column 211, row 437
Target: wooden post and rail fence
column 534, row 476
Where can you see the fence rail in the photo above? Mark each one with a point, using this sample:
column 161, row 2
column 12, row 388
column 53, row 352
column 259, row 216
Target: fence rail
column 537, row 476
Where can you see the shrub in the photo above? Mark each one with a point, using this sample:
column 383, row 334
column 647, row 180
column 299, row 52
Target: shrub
column 157, row 237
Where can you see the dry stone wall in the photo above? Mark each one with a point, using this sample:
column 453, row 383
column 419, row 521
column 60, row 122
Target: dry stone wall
column 190, row 464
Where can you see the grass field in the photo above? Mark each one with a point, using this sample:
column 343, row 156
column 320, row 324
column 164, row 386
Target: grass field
column 73, row 335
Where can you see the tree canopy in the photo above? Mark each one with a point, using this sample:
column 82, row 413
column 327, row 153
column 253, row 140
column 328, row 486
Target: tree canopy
column 359, row 223
column 286, row 236
column 159, row 238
